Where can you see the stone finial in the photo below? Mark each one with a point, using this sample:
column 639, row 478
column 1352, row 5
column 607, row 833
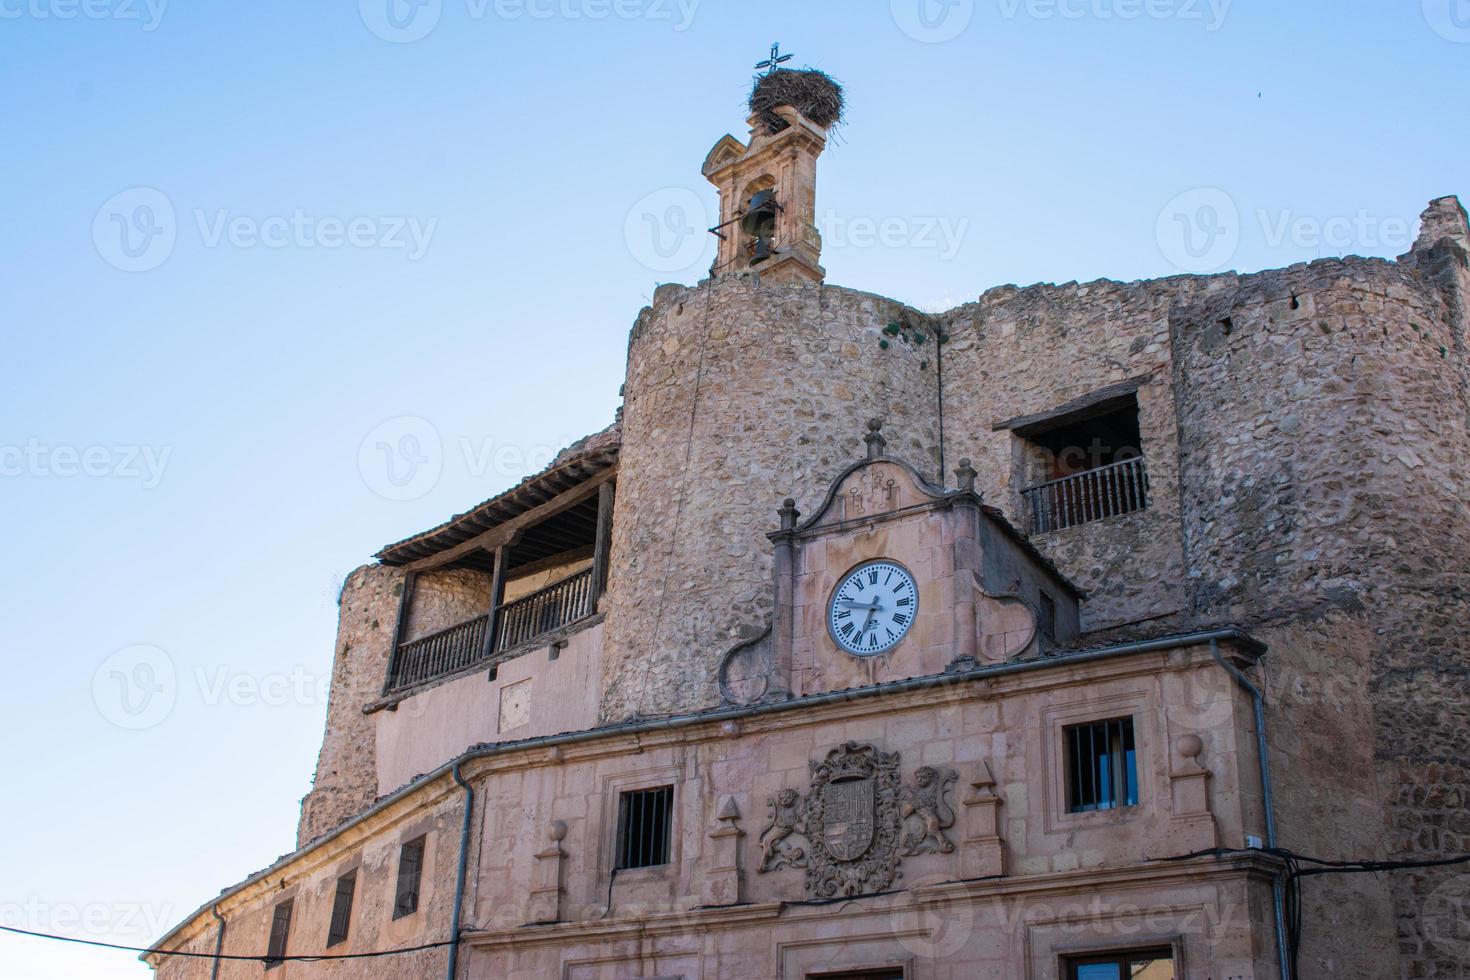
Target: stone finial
column 874, row 438
column 966, row 474
column 557, row 831
column 1190, row 747
column 789, row 514
column 728, row 811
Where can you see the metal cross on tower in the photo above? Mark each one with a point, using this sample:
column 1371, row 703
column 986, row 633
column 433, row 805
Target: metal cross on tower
column 774, row 62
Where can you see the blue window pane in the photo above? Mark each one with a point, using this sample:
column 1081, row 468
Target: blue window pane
column 1132, row 779
column 1099, row 971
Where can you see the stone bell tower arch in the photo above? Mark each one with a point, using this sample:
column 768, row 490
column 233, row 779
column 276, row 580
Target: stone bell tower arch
column 768, row 187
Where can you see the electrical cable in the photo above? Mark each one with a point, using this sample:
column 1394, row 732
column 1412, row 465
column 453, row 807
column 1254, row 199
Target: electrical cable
column 1295, row 872
column 226, row 956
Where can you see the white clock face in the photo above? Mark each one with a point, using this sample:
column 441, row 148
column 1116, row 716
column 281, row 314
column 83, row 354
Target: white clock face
column 873, row 608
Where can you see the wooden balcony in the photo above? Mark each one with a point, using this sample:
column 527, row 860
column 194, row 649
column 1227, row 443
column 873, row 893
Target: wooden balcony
column 518, row 623
column 1092, row 495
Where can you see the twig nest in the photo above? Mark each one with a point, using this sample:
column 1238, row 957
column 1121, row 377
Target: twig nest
column 812, row 93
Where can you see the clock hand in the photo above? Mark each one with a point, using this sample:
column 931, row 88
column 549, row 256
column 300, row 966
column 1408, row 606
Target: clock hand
column 855, row 605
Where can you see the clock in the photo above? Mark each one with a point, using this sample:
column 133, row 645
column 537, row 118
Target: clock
column 872, row 608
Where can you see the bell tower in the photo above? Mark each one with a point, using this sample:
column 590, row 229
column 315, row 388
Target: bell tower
column 768, row 194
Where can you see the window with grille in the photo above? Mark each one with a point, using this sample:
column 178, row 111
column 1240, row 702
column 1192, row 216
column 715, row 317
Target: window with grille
column 280, row 934
column 1151, row 964
column 1102, row 768
column 342, row 908
column 645, row 818
column 410, row 874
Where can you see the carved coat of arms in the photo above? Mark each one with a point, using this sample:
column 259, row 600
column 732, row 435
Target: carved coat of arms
column 853, row 822
column 857, row 821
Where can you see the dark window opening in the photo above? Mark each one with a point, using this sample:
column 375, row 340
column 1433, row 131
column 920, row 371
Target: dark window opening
column 1151, row 964
column 645, row 818
column 410, row 874
column 1048, row 617
column 1085, row 466
column 342, row 908
column 860, row 975
column 1102, row 767
column 280, row 934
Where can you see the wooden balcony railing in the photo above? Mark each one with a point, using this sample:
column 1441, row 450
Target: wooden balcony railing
column 1118, row 488
column 439, row 653
column 544, row 610
column 518, row 622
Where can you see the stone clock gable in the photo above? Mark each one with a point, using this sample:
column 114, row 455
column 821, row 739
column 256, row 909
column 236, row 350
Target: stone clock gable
column 985, row 595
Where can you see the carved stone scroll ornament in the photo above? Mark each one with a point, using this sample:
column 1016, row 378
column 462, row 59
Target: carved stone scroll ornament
column 926, row 813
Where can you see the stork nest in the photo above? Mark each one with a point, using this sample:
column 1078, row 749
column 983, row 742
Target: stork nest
column 814, row 94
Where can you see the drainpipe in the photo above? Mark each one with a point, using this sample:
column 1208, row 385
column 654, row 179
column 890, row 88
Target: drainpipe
column 464, row 853
column 219, row 942
column 1278, row 896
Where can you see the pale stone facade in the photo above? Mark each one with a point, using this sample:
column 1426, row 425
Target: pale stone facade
column 1304, row 433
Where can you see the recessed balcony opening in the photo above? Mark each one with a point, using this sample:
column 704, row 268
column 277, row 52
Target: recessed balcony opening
column 517, row 571
column 1083, row 463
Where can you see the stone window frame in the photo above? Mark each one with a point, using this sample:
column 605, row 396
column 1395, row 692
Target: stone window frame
column 614, row 785
column 1139, row 705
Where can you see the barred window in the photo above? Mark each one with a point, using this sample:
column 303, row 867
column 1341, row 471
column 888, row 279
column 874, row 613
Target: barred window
column 1102, row 771
column 410, row 874
column 645, row 818
column 280, row 934
column 342, row 908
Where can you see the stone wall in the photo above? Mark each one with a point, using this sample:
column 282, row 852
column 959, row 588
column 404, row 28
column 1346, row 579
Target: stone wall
column 446, row 597
column 346, row 771
column 1021, row 352
column 1323, row 476
column 739, row 394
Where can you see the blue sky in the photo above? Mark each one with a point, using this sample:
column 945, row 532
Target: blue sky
column 246, row 245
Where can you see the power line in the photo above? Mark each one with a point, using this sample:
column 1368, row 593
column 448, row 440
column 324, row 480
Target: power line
column 227, row 956
column 1295, row 872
